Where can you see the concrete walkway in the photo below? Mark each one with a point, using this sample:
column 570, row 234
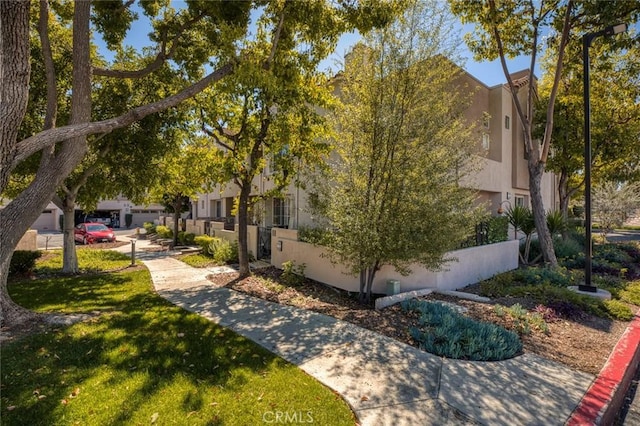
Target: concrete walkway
column 385, row 382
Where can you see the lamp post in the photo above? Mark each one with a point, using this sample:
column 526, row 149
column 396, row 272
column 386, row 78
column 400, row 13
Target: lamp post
column 586, row 43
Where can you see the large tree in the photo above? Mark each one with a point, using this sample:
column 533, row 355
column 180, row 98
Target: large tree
column 268, row 111
column 202, row 33
column 391, row 195
column 615, row 118
column 505, row 29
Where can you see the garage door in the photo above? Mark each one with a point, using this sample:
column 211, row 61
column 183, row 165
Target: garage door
column 140, row 217
column 45, row 222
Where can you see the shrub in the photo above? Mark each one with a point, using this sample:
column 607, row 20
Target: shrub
column 444, row 332
column 292, row 274
column 555, row 222
column 559, row 276
column 128, row 219
column 223, row 251
column 633, row 250
column 618, row 310
column 566, row 249
column 150, row 227
column 523, row 321
column 23, row 262
column 186, row 238
column 498, row 229
column 631, row 294
column 204, row 241
column 311, row 235
column 164, row 231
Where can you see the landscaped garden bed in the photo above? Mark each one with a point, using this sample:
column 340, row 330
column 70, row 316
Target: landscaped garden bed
column 552, row 322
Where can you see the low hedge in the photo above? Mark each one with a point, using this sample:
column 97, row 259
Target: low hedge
column 23, row 262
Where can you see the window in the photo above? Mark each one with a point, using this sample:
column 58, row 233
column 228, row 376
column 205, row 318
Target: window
column 520, row 200
column 486, row 142
column 281, row 212
column 202, row 204
column 218, row 207
column 507, row 121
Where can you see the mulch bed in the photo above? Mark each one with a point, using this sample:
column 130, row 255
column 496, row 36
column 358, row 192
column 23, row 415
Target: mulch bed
column 583, row 343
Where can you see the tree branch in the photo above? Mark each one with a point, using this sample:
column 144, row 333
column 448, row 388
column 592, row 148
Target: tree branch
column 564, row 40
column 47, row 138
column 89, row 170
column 276, row 38
column 505, row 70
column 159, row 60
column 50, row 74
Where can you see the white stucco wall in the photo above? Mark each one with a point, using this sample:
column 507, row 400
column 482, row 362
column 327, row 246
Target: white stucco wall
column 473, row 265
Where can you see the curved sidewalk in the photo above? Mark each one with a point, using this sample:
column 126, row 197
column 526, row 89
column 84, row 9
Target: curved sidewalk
column 385, row 382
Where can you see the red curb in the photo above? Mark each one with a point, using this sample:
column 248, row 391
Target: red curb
column 604, row 398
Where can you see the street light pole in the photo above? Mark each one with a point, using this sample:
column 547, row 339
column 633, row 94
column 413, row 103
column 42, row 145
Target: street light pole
column 586, row 43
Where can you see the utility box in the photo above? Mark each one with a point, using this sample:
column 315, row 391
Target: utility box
column 393, row 287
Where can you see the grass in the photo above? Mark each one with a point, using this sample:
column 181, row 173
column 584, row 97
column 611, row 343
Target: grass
column 198, row 260
column 144, row 361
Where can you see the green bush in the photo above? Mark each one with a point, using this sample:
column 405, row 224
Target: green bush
column 444, row 332
column 618, row 310
column 150, row 227
column 566, row 249
column 292, row 274
column 631, row 294
column 186, row 238
column 223, row 251
column 523, row 320
column 23, row 262
column 559, row 276
column 204, row 241
column 164, row 231
column 498, row 229
column 311, row 235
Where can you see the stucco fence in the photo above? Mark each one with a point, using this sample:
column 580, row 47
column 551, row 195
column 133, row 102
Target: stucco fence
column 216, row 229
column 473, row 264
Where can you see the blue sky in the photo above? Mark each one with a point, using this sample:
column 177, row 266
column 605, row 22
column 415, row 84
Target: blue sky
column 490, row 73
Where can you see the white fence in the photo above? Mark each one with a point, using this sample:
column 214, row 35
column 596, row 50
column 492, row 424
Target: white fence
column 473, row 264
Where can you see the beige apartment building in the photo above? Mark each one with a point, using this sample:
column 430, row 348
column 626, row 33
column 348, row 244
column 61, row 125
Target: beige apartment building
column 501, row 181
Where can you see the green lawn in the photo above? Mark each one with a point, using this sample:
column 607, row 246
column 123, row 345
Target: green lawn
column 144, row 361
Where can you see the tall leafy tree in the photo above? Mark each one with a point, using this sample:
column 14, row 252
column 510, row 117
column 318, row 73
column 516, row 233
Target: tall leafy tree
column 615, row 118
column 614, row 203
column 392, row 195
column 268, row 110
column 201, row 33
column 511, row 28
column 193, row 167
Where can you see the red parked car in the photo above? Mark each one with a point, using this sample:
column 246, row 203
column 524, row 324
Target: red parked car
column 92, row 232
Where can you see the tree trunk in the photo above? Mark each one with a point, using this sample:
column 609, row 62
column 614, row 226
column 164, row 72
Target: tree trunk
column 15, row 69
column 16, row 217
column 363, row 285
column 563, row 193
column 10, row 312
column 243, row 212
column 69, row 255
column 539, row 216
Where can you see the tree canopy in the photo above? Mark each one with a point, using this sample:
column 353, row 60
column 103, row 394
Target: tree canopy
column 204, row 41
column 519, row 27
column 391, row 195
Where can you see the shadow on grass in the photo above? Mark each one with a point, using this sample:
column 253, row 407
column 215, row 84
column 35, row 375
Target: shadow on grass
column 142, row 359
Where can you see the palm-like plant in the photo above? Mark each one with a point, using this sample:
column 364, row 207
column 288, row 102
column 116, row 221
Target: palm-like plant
column 521, row 218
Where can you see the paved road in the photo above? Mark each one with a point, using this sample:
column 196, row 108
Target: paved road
column 48, row 240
